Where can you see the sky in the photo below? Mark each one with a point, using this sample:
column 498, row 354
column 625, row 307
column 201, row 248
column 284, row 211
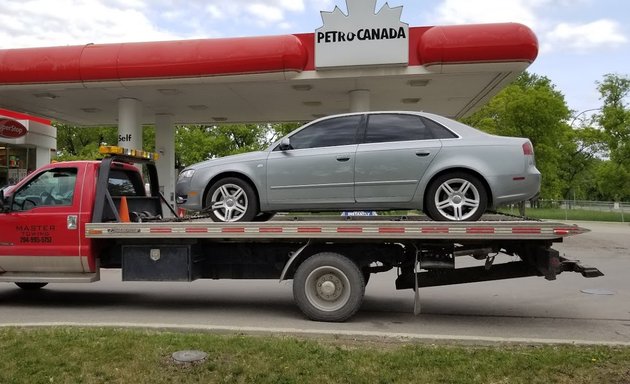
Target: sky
column 579, row 40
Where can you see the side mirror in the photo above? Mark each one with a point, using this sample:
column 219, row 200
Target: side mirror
column 285, row 144
column 2, row 206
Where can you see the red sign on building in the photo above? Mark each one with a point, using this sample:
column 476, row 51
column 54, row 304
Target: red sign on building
column 11, row 129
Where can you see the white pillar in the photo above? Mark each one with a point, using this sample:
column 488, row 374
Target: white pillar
column 359, row 100
column 130, row 123
column 42, row 157
column 165, row 147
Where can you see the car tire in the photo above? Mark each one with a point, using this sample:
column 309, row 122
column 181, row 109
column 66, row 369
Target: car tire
column 456, row 196
column 328, row 287
column 31, row 286
column 231, row 200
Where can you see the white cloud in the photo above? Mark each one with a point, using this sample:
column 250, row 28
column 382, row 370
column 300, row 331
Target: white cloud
column 45, row 23
column 487, row 11
column 584, row 37
column 291, row 5
column 540, row 15
column 31, row 23
column 262, row 11
column 215, row 11
column 266, row 13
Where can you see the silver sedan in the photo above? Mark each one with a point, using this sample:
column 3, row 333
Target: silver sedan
column 367, row 161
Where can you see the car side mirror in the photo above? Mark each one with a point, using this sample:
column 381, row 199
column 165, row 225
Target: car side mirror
column 285, row 144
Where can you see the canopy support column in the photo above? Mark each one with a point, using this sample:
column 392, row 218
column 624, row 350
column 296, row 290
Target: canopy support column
column 165, row 147
column 359, row 100
column 129, row 123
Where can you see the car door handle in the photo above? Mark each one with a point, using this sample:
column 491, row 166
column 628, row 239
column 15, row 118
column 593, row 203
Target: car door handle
column 343, row 158
column 422, row 153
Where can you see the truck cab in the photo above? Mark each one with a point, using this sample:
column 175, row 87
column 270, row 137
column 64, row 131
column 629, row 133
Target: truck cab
column 43, row 217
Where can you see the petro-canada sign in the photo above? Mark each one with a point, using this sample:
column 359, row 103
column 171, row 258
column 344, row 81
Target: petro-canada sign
column 362, row 37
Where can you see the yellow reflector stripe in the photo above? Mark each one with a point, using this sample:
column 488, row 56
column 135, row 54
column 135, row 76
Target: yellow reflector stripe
column 116, row 150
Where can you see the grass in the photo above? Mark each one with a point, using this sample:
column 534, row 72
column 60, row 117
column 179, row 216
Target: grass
column 572, row 214
column 75, row 355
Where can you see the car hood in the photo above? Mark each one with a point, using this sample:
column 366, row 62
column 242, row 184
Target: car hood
column 242, row 157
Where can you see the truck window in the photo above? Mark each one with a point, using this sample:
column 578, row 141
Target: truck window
column 123, row 183
column 52, row 187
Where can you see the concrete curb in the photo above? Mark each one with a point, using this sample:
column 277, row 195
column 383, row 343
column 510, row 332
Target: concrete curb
column 365, row 335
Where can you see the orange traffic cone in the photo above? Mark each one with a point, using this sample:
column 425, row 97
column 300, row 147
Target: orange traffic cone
column 124, row 210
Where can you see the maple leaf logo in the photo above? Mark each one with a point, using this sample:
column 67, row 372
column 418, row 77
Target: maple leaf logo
column 362, row 37
column 362, row 10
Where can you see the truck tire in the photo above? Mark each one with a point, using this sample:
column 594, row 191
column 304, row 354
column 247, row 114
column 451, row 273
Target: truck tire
column 31, row 286
column 328, row 287
column 231, row 199
column 456, row 196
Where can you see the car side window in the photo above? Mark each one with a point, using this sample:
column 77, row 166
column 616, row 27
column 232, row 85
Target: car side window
column 52, row 187
column 328, row 133
column 396, row 127
column 438, row 131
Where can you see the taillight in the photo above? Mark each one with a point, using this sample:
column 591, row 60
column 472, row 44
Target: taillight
column 528, row 149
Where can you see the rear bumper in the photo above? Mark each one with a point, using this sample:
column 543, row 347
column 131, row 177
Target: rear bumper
column 514, row 189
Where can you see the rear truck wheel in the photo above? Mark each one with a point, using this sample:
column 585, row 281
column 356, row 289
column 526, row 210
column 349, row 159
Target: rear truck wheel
column 456, row 196
column 230, row 200
column 328, row 287
column 31, row 286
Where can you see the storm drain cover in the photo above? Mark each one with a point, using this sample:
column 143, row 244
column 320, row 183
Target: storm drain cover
column 597, row 291
column 189, row 356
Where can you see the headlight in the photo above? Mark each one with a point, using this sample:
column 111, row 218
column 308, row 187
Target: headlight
column 187, row 173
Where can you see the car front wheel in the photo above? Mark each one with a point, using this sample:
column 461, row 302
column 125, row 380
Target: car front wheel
column 231, row 199
column 456, row 197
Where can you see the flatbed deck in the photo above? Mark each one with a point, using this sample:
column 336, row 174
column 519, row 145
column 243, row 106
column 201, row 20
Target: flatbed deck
column 491, row 227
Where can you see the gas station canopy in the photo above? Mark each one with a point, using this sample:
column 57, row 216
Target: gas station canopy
column 448, row 70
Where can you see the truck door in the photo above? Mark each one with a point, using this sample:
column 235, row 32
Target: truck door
column 41, row 229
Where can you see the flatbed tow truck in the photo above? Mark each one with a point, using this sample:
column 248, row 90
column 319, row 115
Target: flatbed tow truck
column 67, row 220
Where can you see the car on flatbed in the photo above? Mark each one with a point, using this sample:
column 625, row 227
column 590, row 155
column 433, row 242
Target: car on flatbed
column 367, row 161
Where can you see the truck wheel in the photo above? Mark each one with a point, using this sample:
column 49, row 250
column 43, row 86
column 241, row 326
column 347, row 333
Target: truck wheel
column 456, row 196
column 328, row 287
column 231, row 199
column 31, row 286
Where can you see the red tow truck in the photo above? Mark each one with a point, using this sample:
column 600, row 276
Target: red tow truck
column 62, row 224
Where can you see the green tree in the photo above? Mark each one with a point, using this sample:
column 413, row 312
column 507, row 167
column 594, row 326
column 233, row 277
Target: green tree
column 531, row 107
column 75, row 143
column 582, row 160
column 195, row 143
column 82, row 143
column 614, row 178
column 282, row 129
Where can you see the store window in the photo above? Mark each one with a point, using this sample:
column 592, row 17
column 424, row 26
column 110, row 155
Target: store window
column 15, row 164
